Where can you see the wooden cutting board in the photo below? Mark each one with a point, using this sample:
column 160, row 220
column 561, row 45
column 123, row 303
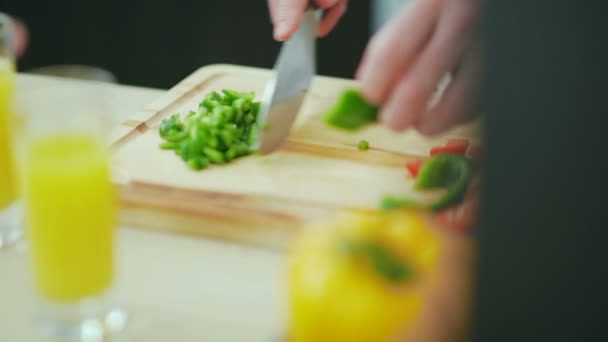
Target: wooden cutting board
column 261, row 200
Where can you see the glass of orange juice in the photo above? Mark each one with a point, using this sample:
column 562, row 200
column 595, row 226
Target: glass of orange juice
column 10, row 231
column 69, row 207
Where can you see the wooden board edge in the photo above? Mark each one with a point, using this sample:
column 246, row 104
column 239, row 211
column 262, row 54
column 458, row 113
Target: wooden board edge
column 247, row 219
column 160, row 220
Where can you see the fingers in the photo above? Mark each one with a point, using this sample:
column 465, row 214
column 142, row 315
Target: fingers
column 392, row 50
column 286, row 16
column 458, row 103
column 20, row 37
column 331, row 17
column 327, row 3
column 410, row 97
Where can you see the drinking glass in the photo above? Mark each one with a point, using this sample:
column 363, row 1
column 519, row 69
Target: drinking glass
column 69, row 208
column 10, row 231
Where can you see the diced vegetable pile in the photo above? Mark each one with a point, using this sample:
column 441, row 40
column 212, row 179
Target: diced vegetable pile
column 224, row 128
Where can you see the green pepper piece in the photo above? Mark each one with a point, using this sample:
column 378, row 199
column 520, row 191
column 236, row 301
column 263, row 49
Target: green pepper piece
column 229, row 113
column 170, row 126
column 189, row 150
column 214, row 96
column 232, row 128
column 220, row 115
column 443, row 170
column 238, row 107
column 198, row 163
column 213, row 141
column 209, row 104
column 236, row 95
column 363, row 145
column 231, row 94
column 176, row 137
column 168, row 145
column 230, row 154
column 226, row 137
column 249, row 119
column 392, row 202
column 255, row 108
column 214, row 155
column 236, row 151
column 252, row 135
column 351, row 112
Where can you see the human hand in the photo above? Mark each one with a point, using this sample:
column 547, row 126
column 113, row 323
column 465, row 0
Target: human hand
column 446, row 309
column 19, row 34
column 20, row 37
column 286, row 16
column 405, row 61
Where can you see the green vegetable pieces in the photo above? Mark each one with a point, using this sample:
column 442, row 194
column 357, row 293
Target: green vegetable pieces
column 444, row 170
column 224, row 128
column 351, row 112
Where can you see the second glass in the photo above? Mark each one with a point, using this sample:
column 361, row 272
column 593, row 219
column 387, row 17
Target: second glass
column 69, row 206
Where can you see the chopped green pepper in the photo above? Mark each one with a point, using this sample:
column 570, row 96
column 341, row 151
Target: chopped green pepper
column 223, row 129
column 444, row 170
column 214, row 155
column 351, row 112
column 363, row 145
column 168, row 145
column 197, row 163
column 392, row 202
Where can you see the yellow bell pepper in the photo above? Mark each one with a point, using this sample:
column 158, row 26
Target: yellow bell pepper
column 359, row 276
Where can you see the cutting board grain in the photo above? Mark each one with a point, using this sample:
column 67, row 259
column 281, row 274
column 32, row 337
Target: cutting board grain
column 260, row 200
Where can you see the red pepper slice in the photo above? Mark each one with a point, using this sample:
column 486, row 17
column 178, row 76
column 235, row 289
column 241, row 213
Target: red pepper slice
column 453, row 146
column 413, row 167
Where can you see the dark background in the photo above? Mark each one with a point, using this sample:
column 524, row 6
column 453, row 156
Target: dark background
column 158, row 43
column 543, row 237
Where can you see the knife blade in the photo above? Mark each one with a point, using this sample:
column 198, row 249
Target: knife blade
column 286, row 90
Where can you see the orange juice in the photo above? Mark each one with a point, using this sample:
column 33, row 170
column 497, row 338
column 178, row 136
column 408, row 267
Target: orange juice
column 70, row 212
column 7, row 189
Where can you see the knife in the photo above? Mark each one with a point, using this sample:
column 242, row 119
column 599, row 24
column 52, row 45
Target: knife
column 285, row 91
